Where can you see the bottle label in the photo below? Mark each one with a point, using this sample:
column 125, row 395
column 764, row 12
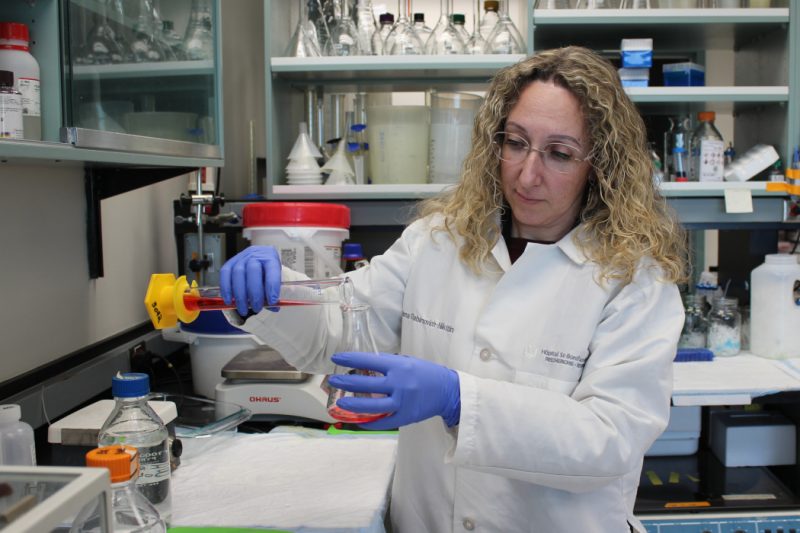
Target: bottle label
column 10, row 116
column 31, row 97
column 154, row 472
column 712, row 160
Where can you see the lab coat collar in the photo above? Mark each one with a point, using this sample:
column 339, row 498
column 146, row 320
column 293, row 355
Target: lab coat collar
column 566, row 244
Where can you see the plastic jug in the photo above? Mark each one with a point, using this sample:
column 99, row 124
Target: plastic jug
column 774, row 307
column 16, row 438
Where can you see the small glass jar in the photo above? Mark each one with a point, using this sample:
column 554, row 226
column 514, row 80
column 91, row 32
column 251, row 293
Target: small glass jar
column 725, row 327
column 695, row 325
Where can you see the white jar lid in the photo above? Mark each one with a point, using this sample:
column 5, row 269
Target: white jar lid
column 10, row 412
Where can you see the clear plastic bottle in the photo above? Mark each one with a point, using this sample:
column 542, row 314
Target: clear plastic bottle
column 695, row 325
column 134, row 423
column 379, row 45
column 11, row 125
column 15, row 56
column 17, row 446
column 131, row 512
column 707, row 149
column 356, row 337
column 725, row 327
column 490, row 17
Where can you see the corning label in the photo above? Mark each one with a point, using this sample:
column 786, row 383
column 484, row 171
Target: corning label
column 154, row 472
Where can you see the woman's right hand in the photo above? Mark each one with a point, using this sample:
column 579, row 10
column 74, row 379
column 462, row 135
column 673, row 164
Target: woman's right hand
column 250, row 278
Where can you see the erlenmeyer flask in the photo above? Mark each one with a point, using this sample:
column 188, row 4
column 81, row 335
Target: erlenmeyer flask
column 146, row 46
column 199, row 40
column 365, row 23
column 403, row 37
column 476, row 44
column 444, row 39
column 356, row 337
column 505, row 37
column 102, row 46
column 344, row 34
column 303, row 42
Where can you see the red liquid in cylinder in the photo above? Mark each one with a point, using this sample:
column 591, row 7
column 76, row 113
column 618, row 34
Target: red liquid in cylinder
column 216, row 303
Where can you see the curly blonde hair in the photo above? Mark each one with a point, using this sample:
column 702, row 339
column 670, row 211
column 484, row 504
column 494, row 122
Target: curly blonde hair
column 624, row 218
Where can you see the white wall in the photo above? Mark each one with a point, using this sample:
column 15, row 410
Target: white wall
column 50, row 306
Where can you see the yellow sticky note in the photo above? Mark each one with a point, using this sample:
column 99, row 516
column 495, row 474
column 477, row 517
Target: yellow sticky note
column 738, row 201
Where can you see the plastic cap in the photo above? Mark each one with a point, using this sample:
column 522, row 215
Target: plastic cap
column 706, row 115
column 491, row 5
column 296, row 214
column 419, row 17
column 10, row 413
column 458, row 18
column 121, row 461
column 386, row 18
column 352, row 250
column 6, row 78
column 14, row 31
column 130, row 385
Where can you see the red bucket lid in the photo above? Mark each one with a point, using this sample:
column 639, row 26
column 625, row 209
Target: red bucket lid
column 14, row 31
column 296, row 214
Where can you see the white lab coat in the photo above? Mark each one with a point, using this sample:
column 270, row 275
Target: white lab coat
column 564, row 383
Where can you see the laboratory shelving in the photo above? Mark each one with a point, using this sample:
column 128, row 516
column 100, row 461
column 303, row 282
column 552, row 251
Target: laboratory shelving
column 763, row 96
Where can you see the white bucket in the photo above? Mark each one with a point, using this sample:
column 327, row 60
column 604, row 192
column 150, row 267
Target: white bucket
column 774, row 312
column 308, row 236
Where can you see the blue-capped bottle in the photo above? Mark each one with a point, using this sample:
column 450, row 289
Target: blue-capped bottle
column 134, row 423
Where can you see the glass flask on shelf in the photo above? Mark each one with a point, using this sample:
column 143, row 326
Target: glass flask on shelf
column 445, row 38
column 725, row 327
column 458, row 23
column 146, row 45
column 423, row 30
column 476, row 44
column 379, row 38
column 173, row 40
column 304, row 41
column 404, row 39
column 103, row 45
column 343, row 33
column 553, row 4
column 636, row 4
column 490, row 17
column 356, row 337
column 365, row 23
column 199, row 38
column 505, row 37
column 695, row 325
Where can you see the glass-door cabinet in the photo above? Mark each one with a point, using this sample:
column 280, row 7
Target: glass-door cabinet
column 142, row 76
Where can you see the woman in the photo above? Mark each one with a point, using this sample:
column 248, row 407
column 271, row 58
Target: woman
column 537, row 306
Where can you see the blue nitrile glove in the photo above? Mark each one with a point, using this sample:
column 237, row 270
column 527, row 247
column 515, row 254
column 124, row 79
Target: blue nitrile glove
column 250, row 277
column 415, row 389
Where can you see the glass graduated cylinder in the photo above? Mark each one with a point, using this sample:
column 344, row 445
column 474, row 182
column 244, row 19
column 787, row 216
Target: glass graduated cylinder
column 356, row 337
column 304, row 292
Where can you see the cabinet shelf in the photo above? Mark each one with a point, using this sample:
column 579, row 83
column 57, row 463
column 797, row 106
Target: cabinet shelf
column 144, row 70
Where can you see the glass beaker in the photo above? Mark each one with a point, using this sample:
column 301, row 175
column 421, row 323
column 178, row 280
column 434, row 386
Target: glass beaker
column 505, row 37
column 356, row 337
column 403, row 37
column 445, row 38
column 199, row 40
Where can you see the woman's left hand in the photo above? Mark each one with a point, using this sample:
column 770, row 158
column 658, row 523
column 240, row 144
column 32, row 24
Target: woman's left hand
column 415, row 389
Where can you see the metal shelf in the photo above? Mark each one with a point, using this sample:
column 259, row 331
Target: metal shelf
column 144, row 70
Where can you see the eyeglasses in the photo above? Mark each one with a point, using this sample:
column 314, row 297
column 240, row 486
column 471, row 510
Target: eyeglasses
column 558, row 157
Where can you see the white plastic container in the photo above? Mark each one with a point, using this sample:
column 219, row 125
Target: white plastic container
column 774, row 310
column 398, row 143
column 16, row 57
column 17, row 446
column 308, row 236
column 452, row 115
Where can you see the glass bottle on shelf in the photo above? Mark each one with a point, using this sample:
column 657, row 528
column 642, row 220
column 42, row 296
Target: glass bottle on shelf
column 146, row 47
column 707, row 150
column 173, row 40
column 505, row 37
column 356, row 337
column 458, row 24
column 695, row 325
column 423, row 30
column 489, row 18
column 343, row 33
column 303, row 42
column 365, row 23
column 476, row 44
column 725, row 327
column 405, row 41
column 379, row 37
column 199, row 38
column 103, row 45
column 445, row 38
